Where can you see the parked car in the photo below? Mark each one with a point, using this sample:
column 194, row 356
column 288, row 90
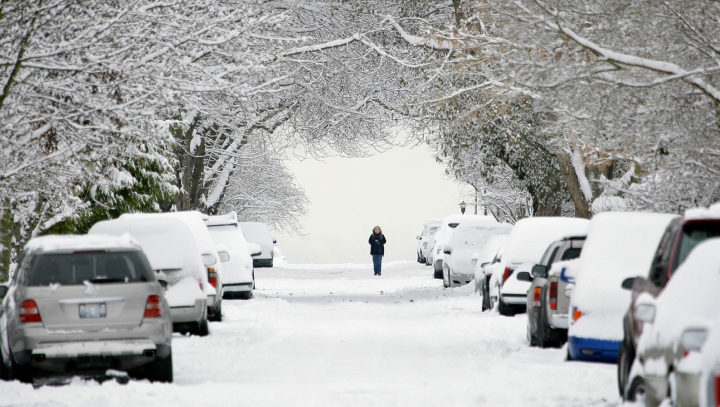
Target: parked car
column 619, row 245
column 444, row 235
column 486, row 261
column 676, row 325
column 180, row 264
column 258, row 233
column 467, row 240
column 542, row 297
column 80, row 305
column 430, row 226
column 236, row 255
column 679, row 238
column 428, row 249
column 527, row 243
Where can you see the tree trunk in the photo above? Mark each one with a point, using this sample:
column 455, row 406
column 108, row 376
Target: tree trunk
column 582, row 208
column 6, row 241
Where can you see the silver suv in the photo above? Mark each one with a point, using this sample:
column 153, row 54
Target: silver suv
column 88, row 306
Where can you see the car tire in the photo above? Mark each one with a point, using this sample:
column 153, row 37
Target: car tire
column 486, row 300
column 245, row 295
column 22, row 373
column 253, row 276
column 626, row 356
column 446, row 283
column 161, row 370
column 217, row 314
column 543, row 329
column 203, row 328
column 506, row 310
column 437, row 274
column 532, row 339
column 636, row 391
column 4, row 370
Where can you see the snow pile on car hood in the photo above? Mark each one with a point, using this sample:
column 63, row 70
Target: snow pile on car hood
column 619, row 245
column 530, row 237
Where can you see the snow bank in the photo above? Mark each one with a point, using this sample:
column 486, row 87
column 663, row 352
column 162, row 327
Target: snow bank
column 530, row 237
column 619, row 245
column 713, row 212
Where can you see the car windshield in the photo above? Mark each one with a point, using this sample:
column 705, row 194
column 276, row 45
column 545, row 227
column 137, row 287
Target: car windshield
column 695, row 233
column 95, row 267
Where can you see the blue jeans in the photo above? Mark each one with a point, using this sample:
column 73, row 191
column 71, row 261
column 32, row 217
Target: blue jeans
column 377, row 263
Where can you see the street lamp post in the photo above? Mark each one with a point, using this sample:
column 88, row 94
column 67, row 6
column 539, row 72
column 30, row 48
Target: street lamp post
column 463, row 205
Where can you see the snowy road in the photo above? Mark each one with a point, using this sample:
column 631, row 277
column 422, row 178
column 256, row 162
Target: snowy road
column 338, row 336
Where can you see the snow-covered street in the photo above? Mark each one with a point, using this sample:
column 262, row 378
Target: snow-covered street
column 336, row 335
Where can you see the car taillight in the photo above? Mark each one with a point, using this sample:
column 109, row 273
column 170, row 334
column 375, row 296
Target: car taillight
column 506, row 275
column 553, row 295
column 212, row 277
column 576, row 314
column 29, row 312
column 153, row 307
column 536, row 297
column 717, row 391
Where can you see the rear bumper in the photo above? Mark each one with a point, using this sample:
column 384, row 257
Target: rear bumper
column 594, row 350
column 559, row 321
column 263, row 262
column 237, row 287
column 514, row 299
column 36, row 339
column 188, row 314
column 95, row 357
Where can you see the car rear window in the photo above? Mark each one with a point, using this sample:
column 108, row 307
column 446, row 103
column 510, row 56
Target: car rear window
column 695, row 233
column 95, row 267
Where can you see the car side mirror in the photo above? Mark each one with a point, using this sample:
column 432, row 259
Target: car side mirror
column 208, row 259
column 224, row 256
column 539, row 270
column 162, row 280
column 274, row 241
column 628, row 283
column 693, row 339
column 3, row 290
column 447, row 250
column 645, row 308
column 418, row 237
column 524, row 276
column 163, row 284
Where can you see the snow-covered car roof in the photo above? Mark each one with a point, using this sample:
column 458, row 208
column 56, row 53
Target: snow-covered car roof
column 713, row 212
column 71, row 243
column 220, row 220
column 433, row 222
column 619, row 245
column 530, row 237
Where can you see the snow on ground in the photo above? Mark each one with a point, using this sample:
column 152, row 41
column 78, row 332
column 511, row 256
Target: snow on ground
column 339, row 336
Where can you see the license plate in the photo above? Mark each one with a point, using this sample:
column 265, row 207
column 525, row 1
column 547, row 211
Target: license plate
column 93, row 310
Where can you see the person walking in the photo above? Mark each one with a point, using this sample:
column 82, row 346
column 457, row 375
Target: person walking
column 377, row 249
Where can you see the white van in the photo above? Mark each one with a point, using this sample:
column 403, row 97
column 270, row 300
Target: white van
column 256, row 232
column 194, row 221
column 235, row 254
column 173, row 253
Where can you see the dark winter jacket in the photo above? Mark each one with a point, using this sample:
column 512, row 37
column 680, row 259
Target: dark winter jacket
column 377, row 244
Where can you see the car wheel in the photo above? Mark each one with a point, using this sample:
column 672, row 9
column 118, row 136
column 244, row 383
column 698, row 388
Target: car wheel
column 636, row 392
column 253, row 275
column 486, row 300
column 542, row 333
column 246, row 295
column 22, row 373
column 437, row 274
column 532, row 340
column 506, row 310
column 217, row 314
column 446, row 284
column 4, row 370
column 161, row 370
column 203, row 328
column 625, row 359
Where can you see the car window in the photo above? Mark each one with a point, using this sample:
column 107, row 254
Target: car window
column 549, row 254
column 571, row 253
column 96, row 267
column 695, row 233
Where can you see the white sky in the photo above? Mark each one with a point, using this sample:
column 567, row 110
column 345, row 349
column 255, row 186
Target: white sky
column 397, row 190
